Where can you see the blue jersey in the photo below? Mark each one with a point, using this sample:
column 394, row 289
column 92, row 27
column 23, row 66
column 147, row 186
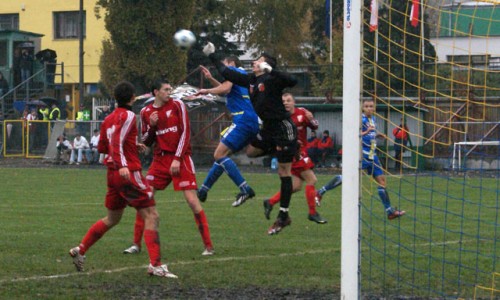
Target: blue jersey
column 369, row 142
column 239, row 104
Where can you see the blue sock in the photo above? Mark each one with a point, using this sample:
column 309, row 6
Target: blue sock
column 385, row 199
column 335, row 182
column 213, row 174
column 232, row 171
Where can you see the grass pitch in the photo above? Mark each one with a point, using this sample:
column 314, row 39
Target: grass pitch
column 45, row 212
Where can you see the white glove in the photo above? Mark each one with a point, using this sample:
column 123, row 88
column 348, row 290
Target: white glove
column 265, row 67
column 209, row 49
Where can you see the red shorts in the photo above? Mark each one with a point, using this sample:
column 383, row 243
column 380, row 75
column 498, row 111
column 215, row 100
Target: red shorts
column 304, row 163
column 136, row 192
column 159, row 175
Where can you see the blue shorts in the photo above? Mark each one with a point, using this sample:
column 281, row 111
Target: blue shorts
column 372, row 167
column 237, row 136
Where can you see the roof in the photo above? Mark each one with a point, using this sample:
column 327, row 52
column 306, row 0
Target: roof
column 6, row 32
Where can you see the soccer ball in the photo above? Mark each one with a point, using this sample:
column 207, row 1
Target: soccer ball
column 184, row 39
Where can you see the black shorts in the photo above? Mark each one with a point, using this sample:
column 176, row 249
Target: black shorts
column 278, row 137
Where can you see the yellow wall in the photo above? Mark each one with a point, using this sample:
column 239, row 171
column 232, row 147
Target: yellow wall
column 37, row 17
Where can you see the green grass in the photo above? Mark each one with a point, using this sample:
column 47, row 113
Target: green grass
column 44, row 212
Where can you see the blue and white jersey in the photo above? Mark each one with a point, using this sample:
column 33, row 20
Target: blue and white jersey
column 239, row 104
column 369, row 142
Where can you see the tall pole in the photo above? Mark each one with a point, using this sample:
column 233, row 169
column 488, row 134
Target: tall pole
column 81, row 52
column 331, row 34
column 351, row 115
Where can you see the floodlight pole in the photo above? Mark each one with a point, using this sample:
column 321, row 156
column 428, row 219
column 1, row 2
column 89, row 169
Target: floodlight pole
column 81, row 53
column 350, row 232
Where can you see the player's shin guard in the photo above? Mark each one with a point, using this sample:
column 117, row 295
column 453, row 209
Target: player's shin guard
column 213, row 174
column 384, row 196
column 152, row 241
column 202, row 223
column 310, row 195
column 138, row 229
column 286, row 195
column 233, row 172
column 94, row 233
column 275, row 199
column 335, row 182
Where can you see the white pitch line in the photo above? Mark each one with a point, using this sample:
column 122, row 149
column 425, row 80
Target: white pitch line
column 220, row 259
column 188, row 262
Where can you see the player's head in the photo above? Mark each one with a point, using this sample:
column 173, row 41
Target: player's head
column 124, row 93
column 161, row 89
column 232, row 61
column 368, row 107
column 288, row 102
column 326, row 133
column 313, row 133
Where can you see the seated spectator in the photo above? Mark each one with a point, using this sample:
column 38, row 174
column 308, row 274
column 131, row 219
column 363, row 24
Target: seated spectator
column 64, row 148
column 94, row 142
column 325, row 147
column 80, row 145
column 312, row 147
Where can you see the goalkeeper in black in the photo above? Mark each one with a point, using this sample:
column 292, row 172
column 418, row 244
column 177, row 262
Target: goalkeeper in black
column 278, row 134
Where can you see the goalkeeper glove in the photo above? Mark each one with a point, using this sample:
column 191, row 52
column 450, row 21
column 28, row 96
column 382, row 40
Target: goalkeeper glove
column 265, row 67
column 208, row 49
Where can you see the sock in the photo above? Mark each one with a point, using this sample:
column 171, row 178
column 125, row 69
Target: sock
column 310, row 195
column 234, row 173
column 138, row 229
column 95, row 232
column 202, row 223
column 385, row 199
column 213, row 174
column 286, row 195
column 275, row 198
column 335, row 182
column 152, row 241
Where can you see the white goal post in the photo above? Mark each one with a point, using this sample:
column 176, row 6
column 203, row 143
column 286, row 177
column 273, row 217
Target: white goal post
column 457, row 151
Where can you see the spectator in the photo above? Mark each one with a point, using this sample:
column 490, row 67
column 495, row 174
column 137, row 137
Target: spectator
column 25, row 64
column 4, row 85
column 325, row 147
column 94, row 142
column 104, row 113
column 400, row 142
column 80, row 145
column 55, row 113
column 32, row 128
column 64, row 148
column 312, row 147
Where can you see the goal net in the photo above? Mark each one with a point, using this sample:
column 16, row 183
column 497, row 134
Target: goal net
column 432, row 68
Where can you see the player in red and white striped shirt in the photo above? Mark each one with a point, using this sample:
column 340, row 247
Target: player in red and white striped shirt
column 165, row 123
column 126, row 185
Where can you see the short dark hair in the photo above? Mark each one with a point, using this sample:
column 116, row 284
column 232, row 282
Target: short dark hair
column 123, row 92
column 269, row 59
column 96, row 130
column 327, row 132
column 158, row 83
column 234, row 59
column 368, row 100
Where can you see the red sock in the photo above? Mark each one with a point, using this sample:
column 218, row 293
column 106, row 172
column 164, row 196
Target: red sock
column 152, row 241
column 95, row 232
column 138, row 229
column 275, row 199
column 202, row 223
column 310, row 194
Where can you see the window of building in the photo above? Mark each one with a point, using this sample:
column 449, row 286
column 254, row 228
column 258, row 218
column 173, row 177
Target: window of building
column 9, row 21
column 67, row 25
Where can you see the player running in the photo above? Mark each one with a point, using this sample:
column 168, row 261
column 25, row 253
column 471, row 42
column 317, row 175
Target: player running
column 239, row 134
column 371, row 162
column 126, row 185
column 165, row 122
column 302, row 167
column 278, row 133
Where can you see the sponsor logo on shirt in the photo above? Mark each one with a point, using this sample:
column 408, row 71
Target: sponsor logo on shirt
column 184, row 183
column 166, row 130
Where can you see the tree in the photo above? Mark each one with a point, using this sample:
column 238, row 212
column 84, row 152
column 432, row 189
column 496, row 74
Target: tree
column 140, row 47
